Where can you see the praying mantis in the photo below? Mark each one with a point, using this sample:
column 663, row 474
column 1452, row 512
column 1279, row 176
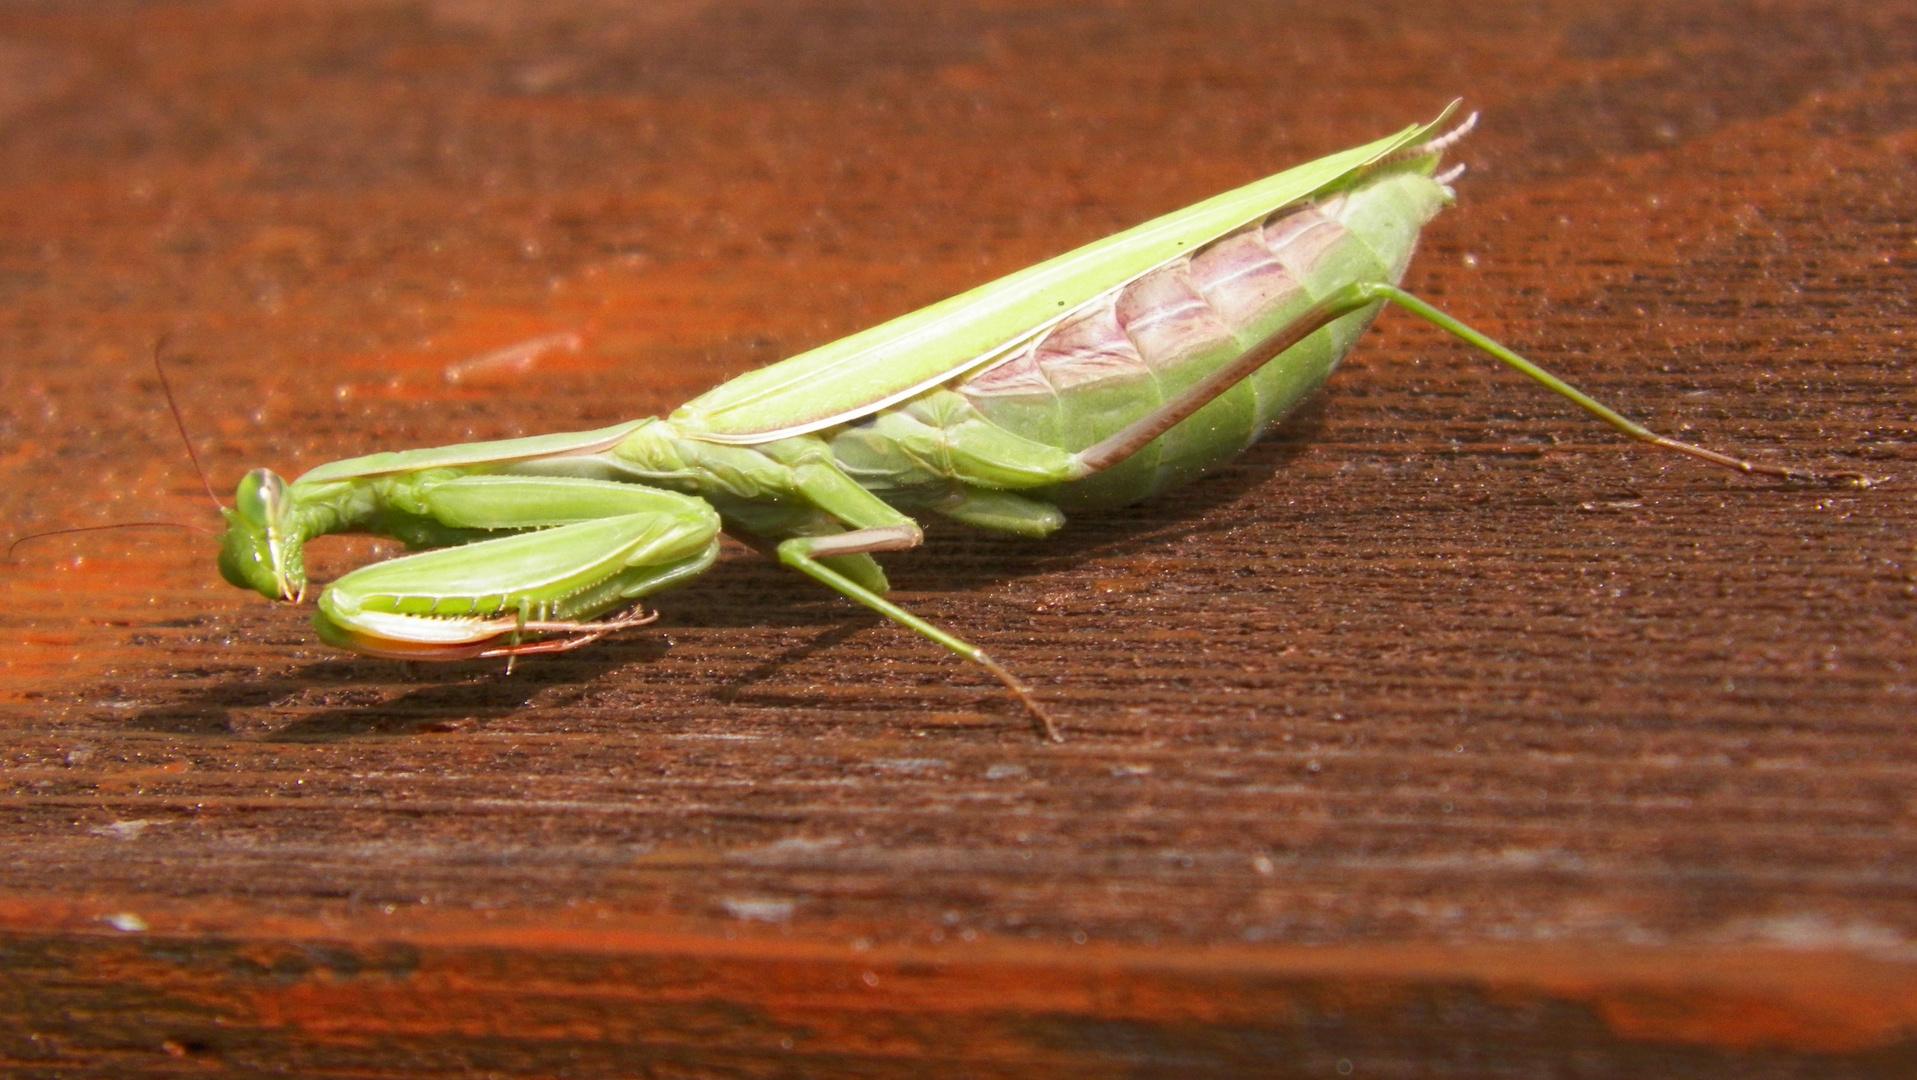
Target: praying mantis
column 1095, row 379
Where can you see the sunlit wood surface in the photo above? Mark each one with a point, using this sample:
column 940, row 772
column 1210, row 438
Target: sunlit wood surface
column 1440, row 735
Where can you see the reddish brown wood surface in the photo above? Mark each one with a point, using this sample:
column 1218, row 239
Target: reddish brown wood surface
column 1438, row 736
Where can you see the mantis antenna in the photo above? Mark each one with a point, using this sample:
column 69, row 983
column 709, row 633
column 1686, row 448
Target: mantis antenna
column 179, row 422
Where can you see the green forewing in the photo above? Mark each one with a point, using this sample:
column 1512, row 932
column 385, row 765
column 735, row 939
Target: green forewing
column 860, row 374
column 479, row 453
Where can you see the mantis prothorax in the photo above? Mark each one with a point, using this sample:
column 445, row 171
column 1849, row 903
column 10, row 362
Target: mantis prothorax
column 1095, row 379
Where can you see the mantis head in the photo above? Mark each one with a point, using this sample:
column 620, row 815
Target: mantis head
column 261, row 547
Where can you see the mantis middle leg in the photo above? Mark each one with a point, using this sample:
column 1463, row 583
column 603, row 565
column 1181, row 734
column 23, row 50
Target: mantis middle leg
column 875, row 527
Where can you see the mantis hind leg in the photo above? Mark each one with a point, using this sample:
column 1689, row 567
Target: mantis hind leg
column 1353, row 297
column 1480, row 341
column 509, row 596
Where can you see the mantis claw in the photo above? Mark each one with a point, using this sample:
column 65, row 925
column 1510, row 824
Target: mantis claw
column 1047, row 727
column 587, row 633
column 1854, row 480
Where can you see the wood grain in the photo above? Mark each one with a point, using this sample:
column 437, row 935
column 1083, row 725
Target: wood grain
column 1440, row 735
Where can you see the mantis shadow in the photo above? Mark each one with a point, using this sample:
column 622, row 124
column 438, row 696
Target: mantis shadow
column 439, row 698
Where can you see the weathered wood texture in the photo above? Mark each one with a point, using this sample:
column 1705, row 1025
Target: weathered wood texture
column 1439, row 736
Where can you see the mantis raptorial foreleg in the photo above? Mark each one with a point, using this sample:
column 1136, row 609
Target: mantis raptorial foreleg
column 596, row 546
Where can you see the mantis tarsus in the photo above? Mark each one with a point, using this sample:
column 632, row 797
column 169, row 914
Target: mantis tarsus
column 1097, row 378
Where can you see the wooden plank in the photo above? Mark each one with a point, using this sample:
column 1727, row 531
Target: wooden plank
column 1440, row 735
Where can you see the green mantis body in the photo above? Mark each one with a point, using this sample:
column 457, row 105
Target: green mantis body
column 1094, row 379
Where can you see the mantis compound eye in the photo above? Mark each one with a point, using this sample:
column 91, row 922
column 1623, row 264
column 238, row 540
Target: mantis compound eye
column 259, row 497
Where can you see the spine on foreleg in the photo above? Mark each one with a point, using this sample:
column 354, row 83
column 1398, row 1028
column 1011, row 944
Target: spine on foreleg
column 1118, row 360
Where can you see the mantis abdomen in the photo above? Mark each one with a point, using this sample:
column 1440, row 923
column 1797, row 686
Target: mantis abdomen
column 1140, row 345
